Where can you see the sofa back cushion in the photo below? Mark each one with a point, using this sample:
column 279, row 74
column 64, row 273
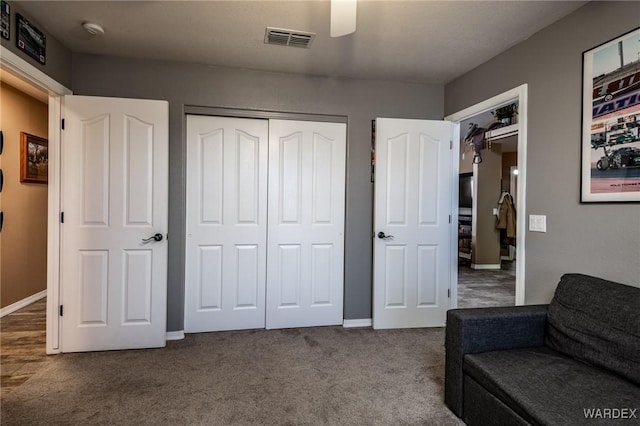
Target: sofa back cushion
column 598, row 322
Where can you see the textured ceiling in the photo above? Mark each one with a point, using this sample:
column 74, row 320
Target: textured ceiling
column 416, row 41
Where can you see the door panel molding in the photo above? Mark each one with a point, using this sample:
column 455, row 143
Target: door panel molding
column 302, row 256
column 412, row 197
column 115, row 194
column 305, row 259
column 226, row 223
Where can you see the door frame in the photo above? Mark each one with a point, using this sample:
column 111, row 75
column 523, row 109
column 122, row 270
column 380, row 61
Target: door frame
column 17, row 66
column 264, row 114
column 519, row 94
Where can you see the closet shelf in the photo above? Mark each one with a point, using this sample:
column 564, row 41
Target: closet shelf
column 501, row 132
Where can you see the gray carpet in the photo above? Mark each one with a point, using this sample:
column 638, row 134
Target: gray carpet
column 325, row 375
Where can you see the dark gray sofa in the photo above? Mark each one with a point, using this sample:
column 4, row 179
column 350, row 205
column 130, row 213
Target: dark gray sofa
column 575, row 361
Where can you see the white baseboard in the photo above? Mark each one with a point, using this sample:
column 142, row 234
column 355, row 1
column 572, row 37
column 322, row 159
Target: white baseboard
column 365, row 322
column 486, row 266
column 22, row 303
column 175, row 335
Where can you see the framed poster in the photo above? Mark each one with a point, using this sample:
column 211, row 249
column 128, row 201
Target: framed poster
column 34, row 159
column 30, row 40
column 5, row 20
column 611, row 121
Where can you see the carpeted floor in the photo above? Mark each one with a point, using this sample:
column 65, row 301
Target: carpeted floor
column 324, row 375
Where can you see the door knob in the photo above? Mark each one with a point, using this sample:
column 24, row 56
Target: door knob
column 157, row 237
column 384, row 237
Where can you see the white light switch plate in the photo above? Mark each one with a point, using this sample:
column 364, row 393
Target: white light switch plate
column 537, row 223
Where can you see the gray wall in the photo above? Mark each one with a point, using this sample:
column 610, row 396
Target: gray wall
column 58, row 57
column 597, row 239
column 187, row 84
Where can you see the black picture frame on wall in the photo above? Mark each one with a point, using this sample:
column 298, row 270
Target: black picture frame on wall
column 5, row 20
column 30, row 39
column 610, row 144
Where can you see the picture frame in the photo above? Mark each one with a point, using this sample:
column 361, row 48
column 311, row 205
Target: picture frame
column 610, row 143
column 5, row 20
column 30, row 39
column 34, row 159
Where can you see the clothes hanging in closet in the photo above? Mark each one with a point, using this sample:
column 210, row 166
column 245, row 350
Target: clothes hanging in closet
column 507, row 215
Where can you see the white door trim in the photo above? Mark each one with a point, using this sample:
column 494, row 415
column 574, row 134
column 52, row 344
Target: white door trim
column 250, row 113
column 519, row 94
column 11, row 62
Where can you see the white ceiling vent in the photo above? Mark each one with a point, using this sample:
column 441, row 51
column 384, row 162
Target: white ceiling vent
column 291, row 38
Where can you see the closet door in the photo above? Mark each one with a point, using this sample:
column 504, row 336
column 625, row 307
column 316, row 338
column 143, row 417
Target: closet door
column 226, row 223
column 306, row 223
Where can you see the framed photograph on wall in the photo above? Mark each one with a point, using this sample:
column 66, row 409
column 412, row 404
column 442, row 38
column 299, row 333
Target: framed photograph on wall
column 34, row 159
column 611, row 121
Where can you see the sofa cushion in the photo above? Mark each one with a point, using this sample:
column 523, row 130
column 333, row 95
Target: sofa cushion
column 482, row 408
column 598, row 322
column 546, row 387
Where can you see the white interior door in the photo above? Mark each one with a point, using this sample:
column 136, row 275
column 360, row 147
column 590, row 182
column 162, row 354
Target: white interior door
column 114, row 195
column 305, row 277
column 412, row 223
column 226, row 223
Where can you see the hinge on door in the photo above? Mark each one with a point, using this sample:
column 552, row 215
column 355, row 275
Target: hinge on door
column 61, row 217
column 451, row 144
column 449, row 218
column 61, row 310
column 449, row 293
column 63, row 124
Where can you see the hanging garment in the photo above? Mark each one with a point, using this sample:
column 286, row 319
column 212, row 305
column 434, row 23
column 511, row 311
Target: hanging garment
column 507, row 215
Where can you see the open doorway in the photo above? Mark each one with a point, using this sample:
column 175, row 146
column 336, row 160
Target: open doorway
column 23, row 237
column 18, row 67
column 487, row 216
column 490, row 271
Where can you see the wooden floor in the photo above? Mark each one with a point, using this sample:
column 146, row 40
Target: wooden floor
column 22, row 345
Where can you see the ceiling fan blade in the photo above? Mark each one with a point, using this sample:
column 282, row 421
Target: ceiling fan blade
column 343, row 17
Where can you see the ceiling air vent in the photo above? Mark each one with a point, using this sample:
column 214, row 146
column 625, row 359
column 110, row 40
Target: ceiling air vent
column 291, row 38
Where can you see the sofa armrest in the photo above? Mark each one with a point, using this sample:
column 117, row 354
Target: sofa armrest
column 487, row 329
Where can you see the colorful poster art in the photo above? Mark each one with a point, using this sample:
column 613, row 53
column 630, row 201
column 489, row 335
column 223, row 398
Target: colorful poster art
column 611, row 121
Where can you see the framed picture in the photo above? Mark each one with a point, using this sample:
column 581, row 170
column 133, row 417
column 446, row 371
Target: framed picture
column 5, row 20
column 611, row 121
column 34, row 158
column 30, row 39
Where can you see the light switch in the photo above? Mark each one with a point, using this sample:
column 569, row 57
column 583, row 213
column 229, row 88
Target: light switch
column 537, row 223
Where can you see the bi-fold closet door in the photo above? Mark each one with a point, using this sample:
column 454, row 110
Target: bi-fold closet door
column 265, row 223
